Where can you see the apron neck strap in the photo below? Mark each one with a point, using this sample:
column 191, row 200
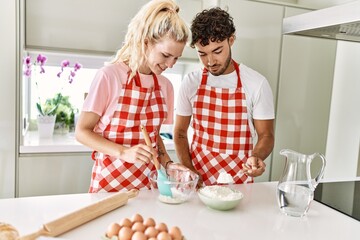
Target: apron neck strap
column 156, row 82
column 137, row 80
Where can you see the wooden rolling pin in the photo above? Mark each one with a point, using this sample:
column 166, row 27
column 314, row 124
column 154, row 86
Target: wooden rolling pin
column 81, row 216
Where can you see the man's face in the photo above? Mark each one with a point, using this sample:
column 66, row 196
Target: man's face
column 216, row 56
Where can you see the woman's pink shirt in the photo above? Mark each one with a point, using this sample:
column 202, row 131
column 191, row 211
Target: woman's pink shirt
column 105, row 89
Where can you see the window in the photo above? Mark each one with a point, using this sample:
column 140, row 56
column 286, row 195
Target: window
column 48, row 84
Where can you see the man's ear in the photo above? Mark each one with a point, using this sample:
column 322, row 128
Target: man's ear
column 232, row 40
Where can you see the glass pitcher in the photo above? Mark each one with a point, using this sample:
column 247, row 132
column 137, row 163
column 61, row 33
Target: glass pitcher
column 296, row 187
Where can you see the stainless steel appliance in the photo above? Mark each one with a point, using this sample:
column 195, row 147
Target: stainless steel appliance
column 342, row 196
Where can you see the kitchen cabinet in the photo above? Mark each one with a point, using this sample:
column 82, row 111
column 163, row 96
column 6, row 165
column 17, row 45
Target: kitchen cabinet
column 56, row 173
column 87, row 26
column 8, row 97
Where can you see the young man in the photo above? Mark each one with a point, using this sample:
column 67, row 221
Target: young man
column 230, row 105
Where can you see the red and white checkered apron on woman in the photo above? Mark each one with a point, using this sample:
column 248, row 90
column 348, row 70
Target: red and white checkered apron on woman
column 222, row 139
column 136, row 106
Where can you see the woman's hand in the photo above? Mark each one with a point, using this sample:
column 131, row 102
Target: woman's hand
column 179, row 166
column 140, row 153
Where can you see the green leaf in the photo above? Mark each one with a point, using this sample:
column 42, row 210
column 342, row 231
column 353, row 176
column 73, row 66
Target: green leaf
column 52, row 111
column 38, row 106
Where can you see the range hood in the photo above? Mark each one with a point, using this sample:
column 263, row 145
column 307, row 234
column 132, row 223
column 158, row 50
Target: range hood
column 341, row 22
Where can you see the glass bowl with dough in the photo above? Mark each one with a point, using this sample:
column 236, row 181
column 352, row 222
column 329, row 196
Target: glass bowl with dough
column 181, row 182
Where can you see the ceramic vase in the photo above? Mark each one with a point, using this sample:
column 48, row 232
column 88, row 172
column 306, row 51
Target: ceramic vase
column 46, row 126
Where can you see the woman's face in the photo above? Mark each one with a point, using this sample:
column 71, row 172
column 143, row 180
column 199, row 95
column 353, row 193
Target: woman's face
column 162, row 55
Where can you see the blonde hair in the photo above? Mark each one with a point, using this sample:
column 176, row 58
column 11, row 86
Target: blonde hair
column 156, row 19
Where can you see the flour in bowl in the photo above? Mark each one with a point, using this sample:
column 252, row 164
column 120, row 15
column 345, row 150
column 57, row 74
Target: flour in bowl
column 220, row 193
column 225, row 178
column 177, row 197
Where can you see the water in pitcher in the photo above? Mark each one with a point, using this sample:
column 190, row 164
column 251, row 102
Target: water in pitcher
column 296, row 186
column 294, row 199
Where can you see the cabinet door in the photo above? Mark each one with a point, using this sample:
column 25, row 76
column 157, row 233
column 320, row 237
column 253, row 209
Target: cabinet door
column 304, row 95
column 87, row 25
column 8, row 93
column 258, row 43
column 52, row 174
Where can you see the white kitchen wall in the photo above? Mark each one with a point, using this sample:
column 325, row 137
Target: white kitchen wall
column 343, row 143
column 304, row 94
column 8, row 100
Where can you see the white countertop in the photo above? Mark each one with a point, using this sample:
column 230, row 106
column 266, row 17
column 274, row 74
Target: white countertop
column 256, row 217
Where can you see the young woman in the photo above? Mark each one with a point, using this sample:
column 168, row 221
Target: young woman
column 129, row 92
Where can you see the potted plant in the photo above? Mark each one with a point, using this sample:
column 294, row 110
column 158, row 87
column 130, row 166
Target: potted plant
column 64, row 114
column 48, row 110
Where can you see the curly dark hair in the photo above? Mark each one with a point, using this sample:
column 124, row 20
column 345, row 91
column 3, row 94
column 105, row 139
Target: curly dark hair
column 213, row 25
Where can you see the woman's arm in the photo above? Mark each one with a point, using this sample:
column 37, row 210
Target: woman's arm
column 84, row 133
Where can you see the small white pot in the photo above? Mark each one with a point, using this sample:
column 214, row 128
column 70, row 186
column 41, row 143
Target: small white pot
column 46, row 126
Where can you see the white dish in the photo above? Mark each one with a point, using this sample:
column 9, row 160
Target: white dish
column 220, row 197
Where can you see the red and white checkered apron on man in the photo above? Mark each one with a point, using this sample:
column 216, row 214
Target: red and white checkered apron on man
column 136, row 106
column 222, row 139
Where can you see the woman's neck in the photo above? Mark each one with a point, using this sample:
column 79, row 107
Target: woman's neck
column 145, row 70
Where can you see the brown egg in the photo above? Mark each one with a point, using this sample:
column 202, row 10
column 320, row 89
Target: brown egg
column 125, row 222
column 138, row 227
column 161, row 227
column 139, row 236
column 151, row 232
column 137, row 218
column 113, row 230
column 163, row 236
column 152, row 238
column 125, row 233
column 175, row 233
column 150, row 222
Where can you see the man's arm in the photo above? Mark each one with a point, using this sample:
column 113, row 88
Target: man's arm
column 262, row 149
column 181, row 141
column 265, row 143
